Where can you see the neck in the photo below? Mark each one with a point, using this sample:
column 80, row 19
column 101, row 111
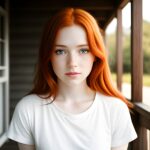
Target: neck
column 74, row 92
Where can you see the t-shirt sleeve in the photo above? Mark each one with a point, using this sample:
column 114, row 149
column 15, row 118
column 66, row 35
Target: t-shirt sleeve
column 20, row 127
column 123, row 131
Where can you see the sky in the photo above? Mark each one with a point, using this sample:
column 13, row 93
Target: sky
column 126, row 16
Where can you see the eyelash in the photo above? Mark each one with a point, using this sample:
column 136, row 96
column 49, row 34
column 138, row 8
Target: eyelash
column 60, row 51
column 81, row 51
column 84, row 51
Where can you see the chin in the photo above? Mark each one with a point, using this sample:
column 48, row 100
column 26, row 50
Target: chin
column 75, row 83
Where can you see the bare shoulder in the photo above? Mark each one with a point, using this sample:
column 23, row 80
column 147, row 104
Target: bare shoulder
column 26, row 147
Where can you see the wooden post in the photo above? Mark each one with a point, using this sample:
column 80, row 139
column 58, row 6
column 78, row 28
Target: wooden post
column 137, row 68
column 136, row 50
column 119, row 61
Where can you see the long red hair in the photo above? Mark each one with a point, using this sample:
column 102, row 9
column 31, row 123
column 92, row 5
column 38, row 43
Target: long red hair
column 45, row 81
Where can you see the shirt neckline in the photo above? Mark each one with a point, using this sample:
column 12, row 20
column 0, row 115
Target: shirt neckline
column 78, row 115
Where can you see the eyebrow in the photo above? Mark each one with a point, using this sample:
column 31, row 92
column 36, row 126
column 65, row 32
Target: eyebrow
column 78, row 46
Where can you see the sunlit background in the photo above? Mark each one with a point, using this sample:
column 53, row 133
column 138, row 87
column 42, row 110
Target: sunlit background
column 111, row 41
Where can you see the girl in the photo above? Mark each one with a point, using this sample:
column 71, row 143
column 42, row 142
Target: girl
column 73, row 105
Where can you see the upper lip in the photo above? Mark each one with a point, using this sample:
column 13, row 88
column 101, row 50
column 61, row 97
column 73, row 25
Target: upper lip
column 72, row 73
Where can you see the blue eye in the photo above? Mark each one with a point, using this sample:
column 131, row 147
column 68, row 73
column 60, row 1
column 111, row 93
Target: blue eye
column 84, row 51
column 59, row 52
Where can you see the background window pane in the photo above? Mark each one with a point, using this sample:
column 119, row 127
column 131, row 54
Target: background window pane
column 1, row 73
column 2, row 54
column 1, row 107
column 1, row 27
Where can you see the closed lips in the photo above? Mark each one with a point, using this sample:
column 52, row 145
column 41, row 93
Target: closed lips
column 72, row 73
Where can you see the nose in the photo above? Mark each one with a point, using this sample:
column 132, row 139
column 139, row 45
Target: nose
column 72, row 60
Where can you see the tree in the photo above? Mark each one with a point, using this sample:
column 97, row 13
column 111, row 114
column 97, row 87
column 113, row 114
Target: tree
column 111, row 46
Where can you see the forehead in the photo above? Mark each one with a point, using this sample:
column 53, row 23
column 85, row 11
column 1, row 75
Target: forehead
column 74, row 34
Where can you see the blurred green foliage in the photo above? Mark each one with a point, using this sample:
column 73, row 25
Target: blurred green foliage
column 111, row 46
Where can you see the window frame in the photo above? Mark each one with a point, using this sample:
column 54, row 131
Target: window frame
column 4, row 78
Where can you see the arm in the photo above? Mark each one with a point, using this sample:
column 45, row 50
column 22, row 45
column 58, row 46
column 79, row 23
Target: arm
column 26, row 147
column 123, row 147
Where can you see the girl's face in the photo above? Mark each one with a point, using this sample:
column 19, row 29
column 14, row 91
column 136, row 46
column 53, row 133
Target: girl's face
column 71, row 58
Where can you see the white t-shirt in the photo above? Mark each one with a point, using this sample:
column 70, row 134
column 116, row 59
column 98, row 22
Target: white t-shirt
column 105, row 124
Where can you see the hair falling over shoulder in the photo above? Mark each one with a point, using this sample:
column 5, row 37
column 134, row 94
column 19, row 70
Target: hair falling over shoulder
column 45, row 81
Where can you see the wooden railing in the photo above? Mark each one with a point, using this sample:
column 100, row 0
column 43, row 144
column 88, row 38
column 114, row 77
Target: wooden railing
column 141, row 120
column 143, row 112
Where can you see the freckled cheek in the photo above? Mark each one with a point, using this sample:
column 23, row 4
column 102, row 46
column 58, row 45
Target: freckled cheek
column 58, row 64
column 88, row 61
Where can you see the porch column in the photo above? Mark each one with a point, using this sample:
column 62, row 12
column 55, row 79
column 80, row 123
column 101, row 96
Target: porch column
column 137, row 68
column 119, row 57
